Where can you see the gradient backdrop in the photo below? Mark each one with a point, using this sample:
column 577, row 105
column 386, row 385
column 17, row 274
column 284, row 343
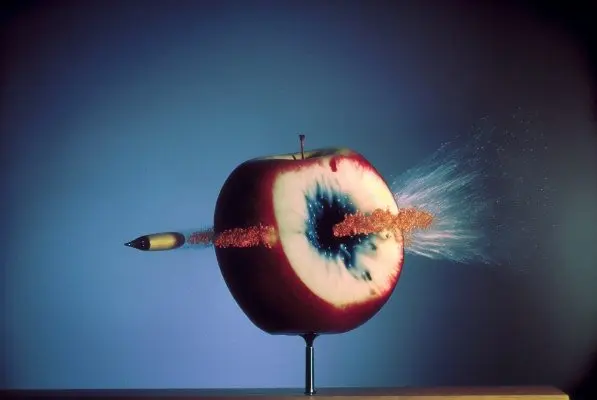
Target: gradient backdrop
column 120, row 121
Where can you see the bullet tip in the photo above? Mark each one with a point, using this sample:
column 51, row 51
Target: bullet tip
column 141, row 243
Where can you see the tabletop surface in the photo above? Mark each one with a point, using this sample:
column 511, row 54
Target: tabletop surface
column 445, row 393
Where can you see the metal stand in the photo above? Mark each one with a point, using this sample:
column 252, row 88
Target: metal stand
column 309, row 363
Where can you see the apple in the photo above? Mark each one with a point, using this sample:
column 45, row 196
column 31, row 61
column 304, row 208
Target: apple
column 308, row 281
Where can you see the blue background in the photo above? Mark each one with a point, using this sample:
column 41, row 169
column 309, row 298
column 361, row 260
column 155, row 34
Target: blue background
column 120, row 121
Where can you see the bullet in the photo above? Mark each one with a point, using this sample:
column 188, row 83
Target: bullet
column 158, row 241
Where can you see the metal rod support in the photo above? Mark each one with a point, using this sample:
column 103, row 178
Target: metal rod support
column 309, row 363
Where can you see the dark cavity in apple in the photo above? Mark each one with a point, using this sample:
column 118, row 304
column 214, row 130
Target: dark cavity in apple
column 326, row 208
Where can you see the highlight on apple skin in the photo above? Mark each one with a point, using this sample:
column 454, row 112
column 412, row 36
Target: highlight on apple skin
column 308, row 280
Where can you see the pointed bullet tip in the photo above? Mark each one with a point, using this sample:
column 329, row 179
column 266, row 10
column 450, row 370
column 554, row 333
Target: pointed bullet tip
column 141, row 243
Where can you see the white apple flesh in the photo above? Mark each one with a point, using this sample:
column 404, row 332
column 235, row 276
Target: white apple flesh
column 308, row 281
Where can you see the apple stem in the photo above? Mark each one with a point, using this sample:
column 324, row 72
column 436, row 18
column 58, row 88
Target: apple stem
column 309, row 363
column 302, row 139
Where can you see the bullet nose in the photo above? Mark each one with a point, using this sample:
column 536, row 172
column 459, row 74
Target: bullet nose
column 141, row 243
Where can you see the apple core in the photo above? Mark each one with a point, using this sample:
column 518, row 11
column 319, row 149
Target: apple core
column 342, row 271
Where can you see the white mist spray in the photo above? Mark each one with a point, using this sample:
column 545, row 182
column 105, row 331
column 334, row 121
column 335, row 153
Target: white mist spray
column 451, row 193
column 485, row 190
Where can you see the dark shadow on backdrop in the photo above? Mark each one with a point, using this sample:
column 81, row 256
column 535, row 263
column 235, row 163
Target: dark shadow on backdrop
column 586, row 388
column 578, row 18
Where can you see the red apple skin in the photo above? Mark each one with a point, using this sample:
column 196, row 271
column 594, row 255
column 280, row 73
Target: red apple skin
column 261, row 279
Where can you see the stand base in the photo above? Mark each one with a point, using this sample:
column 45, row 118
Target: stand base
column 465, row 393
